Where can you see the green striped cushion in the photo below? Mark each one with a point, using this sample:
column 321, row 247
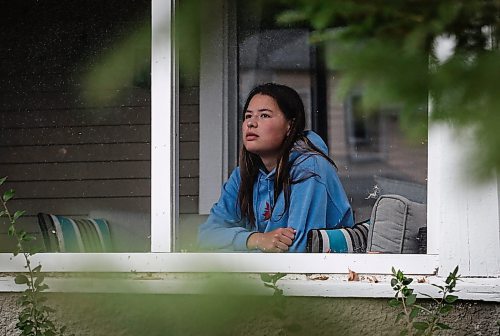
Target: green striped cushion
column 344, row 240
column 65, row 234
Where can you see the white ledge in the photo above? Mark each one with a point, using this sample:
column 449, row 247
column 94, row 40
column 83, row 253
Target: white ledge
column 224, row 262
column 316, row 285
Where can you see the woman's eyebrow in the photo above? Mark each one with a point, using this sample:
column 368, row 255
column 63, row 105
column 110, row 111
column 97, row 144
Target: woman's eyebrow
column 260, row 110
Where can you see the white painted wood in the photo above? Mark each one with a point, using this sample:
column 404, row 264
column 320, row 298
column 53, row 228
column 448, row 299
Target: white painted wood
column 213, row 106
column 162, row 157
column 434, row 191
column 468, row 210
column 225, row 262
column 292, row 285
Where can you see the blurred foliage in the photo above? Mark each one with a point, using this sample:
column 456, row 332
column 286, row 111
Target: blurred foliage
column 125, row 64
column 390, row 49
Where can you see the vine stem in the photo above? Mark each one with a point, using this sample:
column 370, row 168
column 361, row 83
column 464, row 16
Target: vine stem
column 31, row 283
column 407, row 314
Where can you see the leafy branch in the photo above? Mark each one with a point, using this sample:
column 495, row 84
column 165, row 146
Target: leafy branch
column 420, row 320
column 34, row 317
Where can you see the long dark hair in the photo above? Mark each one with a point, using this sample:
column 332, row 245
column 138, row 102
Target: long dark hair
column 291, row 105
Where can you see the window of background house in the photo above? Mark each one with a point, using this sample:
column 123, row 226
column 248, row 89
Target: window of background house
column 70, row 145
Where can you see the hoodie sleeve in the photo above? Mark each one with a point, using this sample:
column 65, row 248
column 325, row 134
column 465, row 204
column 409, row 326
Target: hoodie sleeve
column 308, row 202
column 224, row 228
column 317, row 202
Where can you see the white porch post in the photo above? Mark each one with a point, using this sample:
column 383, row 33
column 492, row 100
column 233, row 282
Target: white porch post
column 466, row 220
column 162, row 138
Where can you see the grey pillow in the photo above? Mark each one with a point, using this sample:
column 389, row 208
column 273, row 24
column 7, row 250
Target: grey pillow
column 395, row 221
column 413, row 191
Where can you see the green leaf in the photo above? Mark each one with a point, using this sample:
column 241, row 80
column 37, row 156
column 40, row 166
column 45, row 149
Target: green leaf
column 445, row 309
column 407, row 292
column 21, row 279
column 394, row 302
column 43, row 287
column 2, row 213
column 12, row 231
column 400, row 316
column 407, row 281
column 420, row 325
column 18, row 214
column 39, row 280
column 266, row 277
column 394, row 282
column 440, row 287
column 411, row 299
column 278, row 292
column 2, row 180
column 414, row 313
column 278, row 276
column 451, row 298
column 443, row 326
column 37, row 269
column 8, row 195
column 269, row 285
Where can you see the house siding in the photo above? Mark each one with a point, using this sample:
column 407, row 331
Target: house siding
column 69, row 156
column 62, row 153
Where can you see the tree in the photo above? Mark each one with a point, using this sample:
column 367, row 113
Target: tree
column 392, row 49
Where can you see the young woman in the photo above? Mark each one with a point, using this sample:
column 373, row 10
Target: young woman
column 284, row 186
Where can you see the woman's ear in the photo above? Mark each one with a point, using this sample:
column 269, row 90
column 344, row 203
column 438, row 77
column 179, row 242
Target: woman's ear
column 290, row 126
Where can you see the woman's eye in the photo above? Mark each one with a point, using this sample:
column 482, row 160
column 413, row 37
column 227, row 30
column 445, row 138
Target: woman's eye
column 265, row 115
column 247, row 116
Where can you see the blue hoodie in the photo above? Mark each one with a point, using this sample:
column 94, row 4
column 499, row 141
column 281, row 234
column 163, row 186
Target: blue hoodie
column 318, row 201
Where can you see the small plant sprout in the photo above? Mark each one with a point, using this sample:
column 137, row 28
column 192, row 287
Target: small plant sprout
column 34, row 316
column 419, row 320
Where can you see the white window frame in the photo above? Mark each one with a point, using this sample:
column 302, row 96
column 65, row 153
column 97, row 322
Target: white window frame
column 463, row 217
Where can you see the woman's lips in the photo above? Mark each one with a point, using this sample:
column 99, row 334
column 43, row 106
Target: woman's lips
column 251, row 136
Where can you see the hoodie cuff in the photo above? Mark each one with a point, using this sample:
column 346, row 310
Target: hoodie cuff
column 240, row 241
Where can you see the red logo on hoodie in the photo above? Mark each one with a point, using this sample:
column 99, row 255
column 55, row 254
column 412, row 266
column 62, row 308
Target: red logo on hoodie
column 267, row 212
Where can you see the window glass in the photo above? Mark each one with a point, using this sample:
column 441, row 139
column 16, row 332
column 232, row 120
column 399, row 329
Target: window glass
column 76, row 124
column 372, row 153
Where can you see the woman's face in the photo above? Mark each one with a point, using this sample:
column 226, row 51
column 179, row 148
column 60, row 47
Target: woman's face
column 264, row 129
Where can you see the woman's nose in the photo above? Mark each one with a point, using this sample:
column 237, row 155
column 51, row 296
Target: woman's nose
column 251, row 123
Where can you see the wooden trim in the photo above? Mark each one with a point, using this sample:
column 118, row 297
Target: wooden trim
column 162, row 121
column 225, row 262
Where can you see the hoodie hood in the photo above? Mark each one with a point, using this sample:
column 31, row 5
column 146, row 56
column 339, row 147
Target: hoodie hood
column 317, row 141
column 298, row 150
